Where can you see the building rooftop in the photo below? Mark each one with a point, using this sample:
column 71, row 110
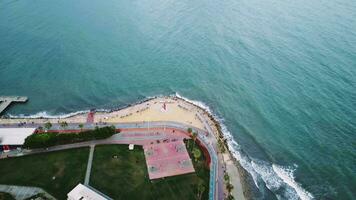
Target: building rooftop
column 82, row 192
column 14, row 136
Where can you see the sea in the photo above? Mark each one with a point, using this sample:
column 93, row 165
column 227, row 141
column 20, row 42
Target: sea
column 279, row 75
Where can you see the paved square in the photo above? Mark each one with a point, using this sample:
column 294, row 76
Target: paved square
column 167, row 159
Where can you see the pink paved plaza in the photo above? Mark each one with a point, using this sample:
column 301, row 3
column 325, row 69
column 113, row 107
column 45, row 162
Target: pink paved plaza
column 167, row 159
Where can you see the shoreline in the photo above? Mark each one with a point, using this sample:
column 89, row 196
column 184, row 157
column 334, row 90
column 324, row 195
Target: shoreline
column 242, row 185
column 245, row 178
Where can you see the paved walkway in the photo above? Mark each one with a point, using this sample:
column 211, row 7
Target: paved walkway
column 237, row 191
column 22, row 192
column 90, row 161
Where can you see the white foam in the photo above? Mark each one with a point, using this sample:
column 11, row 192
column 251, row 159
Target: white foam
column 273, row 176
column 197, row 103
column 287, row 175
column 44, row 114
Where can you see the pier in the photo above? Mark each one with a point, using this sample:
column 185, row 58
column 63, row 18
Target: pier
column 5, row 101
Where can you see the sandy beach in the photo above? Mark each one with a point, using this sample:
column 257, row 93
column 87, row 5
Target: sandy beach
column 176, row 110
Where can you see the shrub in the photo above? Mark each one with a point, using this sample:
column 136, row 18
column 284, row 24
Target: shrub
column 48, row 139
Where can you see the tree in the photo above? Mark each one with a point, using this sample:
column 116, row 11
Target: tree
column 221, row 146
column 47, row 126
column 230, row 197
column 194, row 137
column 81, row 127
column 226, row 178
column 229, row 187
column 196, row 154
column 50, row 139
column 64, row 124
column 190, row 130
column 201, row 189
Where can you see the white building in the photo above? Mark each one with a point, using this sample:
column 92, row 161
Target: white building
column 82, row 192
column 14, row 137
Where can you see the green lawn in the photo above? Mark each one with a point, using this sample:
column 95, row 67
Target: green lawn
column 67, row 166
column 126, row 177
column 6, row 196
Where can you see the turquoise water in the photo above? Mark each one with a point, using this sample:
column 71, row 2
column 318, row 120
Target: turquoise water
column 281, row 75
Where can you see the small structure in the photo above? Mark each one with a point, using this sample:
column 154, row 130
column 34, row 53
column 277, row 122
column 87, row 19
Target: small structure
column 90, row 116
column 82, row 192
column 14, row 137
column 131, row 146
column 7, row 100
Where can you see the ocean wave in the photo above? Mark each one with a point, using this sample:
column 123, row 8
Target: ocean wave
column 287, row 175
column 275, row 177
column 44, row 114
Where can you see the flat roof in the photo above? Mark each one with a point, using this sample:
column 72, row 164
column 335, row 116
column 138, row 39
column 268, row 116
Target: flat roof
column 14, row 136
column 81, row 192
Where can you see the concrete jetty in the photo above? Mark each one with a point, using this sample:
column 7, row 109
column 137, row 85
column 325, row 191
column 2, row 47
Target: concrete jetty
column 7, row 100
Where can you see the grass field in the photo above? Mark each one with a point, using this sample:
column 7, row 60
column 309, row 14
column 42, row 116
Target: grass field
column 126, row 177
column 67, row 166
column 6, row 196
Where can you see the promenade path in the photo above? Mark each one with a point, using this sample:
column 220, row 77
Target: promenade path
column 132, row 133
column 90, row 161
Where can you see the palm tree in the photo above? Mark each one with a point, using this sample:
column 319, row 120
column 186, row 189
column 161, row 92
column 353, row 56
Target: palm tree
column 196, row 154
column 81, row 127
column 40, row 128
column 64, row 124
column 194, row 137
column 230, row 197
column 221, row 146
column 226, row 178
column 47, row 126
column 229, row 187
column 189, row 130
column 201, row 189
